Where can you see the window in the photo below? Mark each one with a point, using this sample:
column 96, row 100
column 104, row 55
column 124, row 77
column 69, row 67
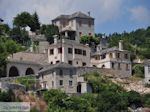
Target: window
column 118, row 55
column 76, row 62
column 57, row 61
column 51, row 51
column 90, row 34
column 83, row 64
column 70, row 50
column 127, row 67
column 110, row 55
column 70, row 62
column 103, row 56
column 60, row 50
column 119, row 67
column 51, row 62
column 61, row 82
column 84, row 52
column 70, row 83
column 61, row 72
column 78, row 51
column 126, row 56
column 97, row 57
column 112, row 65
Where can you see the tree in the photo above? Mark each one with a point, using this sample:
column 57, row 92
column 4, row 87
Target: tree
column 49, row 31
column 4, row 29
column 35, row 24
column 22, row 20
column 89, row 40
column 138, row 70
column 134, row 99
column 19, row 35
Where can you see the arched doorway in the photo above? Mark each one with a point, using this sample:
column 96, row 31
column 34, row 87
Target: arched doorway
column 29, row 71
column 13, row 72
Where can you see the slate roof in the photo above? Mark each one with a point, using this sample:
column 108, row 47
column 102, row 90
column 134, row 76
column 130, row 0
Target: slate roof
column 28, row 57
column 108, row 50
column 53, row 66
column 74, row 15
column 147, row 62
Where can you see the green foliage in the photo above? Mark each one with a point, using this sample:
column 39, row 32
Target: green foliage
column 6, row 96
column 19, row 35
column 22, row 20
column 100, row 83
column 27, row 81
column 4, row 29
column 49, row 31
column 146, row 100
column 35, row 24
column 138, row 70
column 89, row 40
column 134, row 99
column 26, row 19
column 108, row 101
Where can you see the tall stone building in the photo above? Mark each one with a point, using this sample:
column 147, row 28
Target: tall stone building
column 75, row 25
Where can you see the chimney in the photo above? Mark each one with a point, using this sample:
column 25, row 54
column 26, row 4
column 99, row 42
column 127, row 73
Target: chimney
column 89, row 13
column 55, row 39
column 120, row 45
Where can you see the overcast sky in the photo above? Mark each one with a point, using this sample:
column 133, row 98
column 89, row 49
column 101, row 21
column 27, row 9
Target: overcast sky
column 110, row 15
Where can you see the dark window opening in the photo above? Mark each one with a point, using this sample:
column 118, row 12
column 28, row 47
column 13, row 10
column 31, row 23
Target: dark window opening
column 61, row 82
column 70, row 50
column 83, row 64
column 13, row 72
column 51, row 51
column 60, row 50
column 70, row 62
column 84, row 52
column 29, row 71
column 103, row 56
column 112, row 65
column 70, row 83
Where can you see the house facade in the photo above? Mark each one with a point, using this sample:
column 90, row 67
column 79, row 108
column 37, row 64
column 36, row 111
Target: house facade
column 70, row 52
column 75, row 25
column 147, row 71
column 65, row 77
column 113, row 58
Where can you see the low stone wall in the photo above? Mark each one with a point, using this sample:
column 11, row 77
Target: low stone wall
column 106, row 71
column 12, row 86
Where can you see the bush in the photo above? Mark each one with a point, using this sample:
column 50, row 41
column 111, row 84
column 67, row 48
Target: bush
column 146, row 100
column 138, row 70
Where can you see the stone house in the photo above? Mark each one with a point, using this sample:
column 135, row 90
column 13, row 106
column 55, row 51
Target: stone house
column 147, row 71
column 113, row 58
column 65, row 77
column 75, row 25
column 70, row 52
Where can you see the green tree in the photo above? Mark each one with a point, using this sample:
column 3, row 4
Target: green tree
column 22, row 20
column 19, row 35
column 138, row 70
column 35, row 24
column 49, row 31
